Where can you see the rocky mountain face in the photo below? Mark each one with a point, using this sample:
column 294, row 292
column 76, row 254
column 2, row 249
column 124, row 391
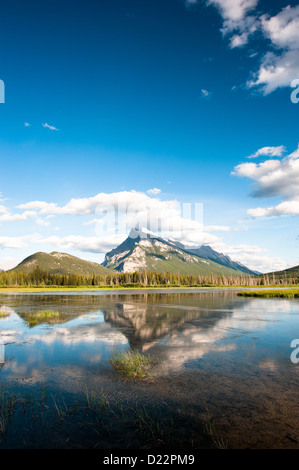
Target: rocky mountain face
column 143, row 250
column 206, row 252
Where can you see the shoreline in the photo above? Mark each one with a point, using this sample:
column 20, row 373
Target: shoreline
column 21, row 290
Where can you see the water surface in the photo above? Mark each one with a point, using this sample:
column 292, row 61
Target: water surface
column 216, row 350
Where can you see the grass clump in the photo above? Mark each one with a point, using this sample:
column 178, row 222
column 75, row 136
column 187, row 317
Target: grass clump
column 273, row 293
column 132, row 364
column 44, row 316
column 4, row 314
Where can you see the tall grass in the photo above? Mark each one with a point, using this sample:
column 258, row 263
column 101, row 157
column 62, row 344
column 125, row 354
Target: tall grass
column 275, row 293
column 34, row 318
column 132, row 364
column 4, row 314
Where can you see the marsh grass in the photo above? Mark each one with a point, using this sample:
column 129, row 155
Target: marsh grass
column 13, row 403
column 8, row 403
column 94, row 420
column 132, row 364
column 43, row 316
column 150, row 426
column 4, row 314
column 96, row 403
column 212, row 433
column 273, row 293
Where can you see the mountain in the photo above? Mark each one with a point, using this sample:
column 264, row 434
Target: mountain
column 60, row 263
column 143, row 250
column 206, row 252
column 289, row 273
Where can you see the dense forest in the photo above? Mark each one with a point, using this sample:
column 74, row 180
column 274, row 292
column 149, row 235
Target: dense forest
column 39, row 278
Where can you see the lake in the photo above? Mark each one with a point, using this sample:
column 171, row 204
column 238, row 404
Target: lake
column 224, row 377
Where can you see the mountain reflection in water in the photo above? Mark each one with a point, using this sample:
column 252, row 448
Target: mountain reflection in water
column 181, row 329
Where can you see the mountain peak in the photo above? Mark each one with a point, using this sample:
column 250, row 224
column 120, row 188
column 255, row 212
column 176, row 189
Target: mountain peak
column 141, row 232
column 145, row 250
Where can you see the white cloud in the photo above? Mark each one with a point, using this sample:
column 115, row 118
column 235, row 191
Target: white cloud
column 233, row 12
column 206, row 94
column 8, row 262
column 13, row 242
column 283, row 28
column 274, row 178
column 269, row 152
column 7, row 216
column 254, row 257
column 3, row 210
column 284, row 208
column 191, row 2
column 217, row 228
column 43, row 222
column 154, row 191
column 26, row 124
column 94, row 222
column 167, row 218
column 280, row 65
column 80, row 243
column 41, row 206
column 52, row 128
column 239, row 40
column 132, row 207
column 278, row 69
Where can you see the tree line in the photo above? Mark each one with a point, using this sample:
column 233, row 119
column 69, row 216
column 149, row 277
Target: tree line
column 39, row 278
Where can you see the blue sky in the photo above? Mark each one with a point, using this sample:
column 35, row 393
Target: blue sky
column 109, row 97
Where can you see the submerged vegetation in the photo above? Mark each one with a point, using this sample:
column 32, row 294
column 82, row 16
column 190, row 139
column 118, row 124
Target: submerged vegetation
column 95, row 421
column 132, row 364
column 42, row 279
column 283, row 293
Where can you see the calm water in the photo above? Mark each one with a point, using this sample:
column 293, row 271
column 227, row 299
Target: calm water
column 236, row 341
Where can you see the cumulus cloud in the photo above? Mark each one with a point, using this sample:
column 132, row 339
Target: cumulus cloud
column 154, row 191
column 112, row 215
column 276, row 71
column 8, row 262
column 254, row 257
column 43, row 222
column 80, row 243
column 279, row 65
column 217, row 228
column 123, row 210
column 13, row 242
column 269, row 152
column 239, row 40
column 282, row 29
column 233, row 11
column 274, row 178
column 7, row 216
